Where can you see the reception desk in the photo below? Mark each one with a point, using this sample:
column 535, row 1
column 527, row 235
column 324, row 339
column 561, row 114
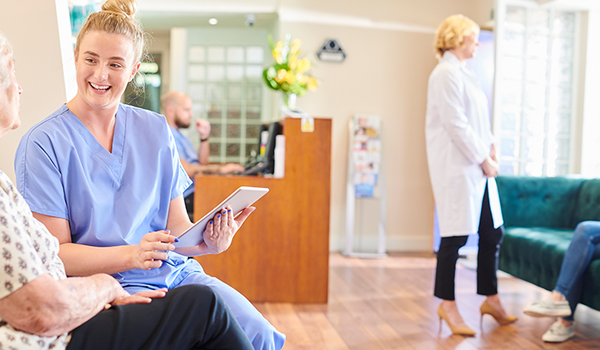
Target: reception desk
column 281, row 253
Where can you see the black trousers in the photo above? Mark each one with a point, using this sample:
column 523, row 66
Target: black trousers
column 189, row 317
column 189, row 205
column 487, row 257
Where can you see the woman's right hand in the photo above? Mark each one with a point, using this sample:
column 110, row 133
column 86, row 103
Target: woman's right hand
column 152, row 250
column 490, row 167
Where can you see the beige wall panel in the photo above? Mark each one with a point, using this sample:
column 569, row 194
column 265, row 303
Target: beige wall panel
column 422, row 12
column 385, row 74
column 34, row 29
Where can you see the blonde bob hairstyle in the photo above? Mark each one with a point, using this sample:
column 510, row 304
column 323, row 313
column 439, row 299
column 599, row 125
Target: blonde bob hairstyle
column 116, row 17
column 6, row 53
column 451, row 33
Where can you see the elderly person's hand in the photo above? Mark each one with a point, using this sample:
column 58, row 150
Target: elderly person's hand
column 144, row 297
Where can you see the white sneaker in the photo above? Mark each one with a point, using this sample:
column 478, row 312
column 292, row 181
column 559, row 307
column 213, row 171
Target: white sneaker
column 548, row 308
column 558, row 333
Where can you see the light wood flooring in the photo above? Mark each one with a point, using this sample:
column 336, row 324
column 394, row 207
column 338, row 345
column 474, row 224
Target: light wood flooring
column 388, row 304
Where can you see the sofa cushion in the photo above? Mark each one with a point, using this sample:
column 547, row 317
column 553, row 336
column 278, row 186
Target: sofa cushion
column 587, row 206
column 538, row 202
column 534, row 254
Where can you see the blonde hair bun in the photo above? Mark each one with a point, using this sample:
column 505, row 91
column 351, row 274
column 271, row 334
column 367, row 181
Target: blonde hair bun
column 451, row 33
column 127, row 8
column 116, row 17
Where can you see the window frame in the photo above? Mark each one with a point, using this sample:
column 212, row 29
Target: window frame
column 575, row 115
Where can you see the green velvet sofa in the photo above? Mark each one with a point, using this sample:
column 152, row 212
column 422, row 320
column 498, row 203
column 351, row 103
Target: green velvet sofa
column 540, row 214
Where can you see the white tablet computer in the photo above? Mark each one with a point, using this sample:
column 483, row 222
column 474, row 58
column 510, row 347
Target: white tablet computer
column 239, row 200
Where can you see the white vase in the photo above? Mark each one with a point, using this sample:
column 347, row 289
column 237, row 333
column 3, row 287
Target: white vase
column 290, row 101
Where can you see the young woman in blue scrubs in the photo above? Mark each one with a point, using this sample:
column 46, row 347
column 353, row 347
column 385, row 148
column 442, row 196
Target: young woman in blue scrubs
column 106, row 179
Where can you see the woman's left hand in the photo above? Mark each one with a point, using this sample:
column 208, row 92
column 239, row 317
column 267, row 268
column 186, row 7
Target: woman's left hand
column 220, row 231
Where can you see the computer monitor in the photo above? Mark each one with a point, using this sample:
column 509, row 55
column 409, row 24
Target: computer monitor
column 267, row 164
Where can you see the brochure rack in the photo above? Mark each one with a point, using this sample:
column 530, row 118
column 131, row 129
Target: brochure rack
column 365, row 179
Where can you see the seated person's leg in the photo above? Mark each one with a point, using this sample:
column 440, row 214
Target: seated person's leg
column 261, row 333
column 190, row 317
column 584, row 247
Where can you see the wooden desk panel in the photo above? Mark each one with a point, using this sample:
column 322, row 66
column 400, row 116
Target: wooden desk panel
column 281, row 253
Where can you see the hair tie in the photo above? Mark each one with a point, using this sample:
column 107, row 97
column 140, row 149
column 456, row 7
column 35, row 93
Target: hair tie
column 117, row 13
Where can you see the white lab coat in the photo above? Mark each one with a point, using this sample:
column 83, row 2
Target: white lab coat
column 459, row 138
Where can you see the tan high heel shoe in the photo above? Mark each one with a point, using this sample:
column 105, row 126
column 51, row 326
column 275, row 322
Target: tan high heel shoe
column 456, row 330
column 488, row 309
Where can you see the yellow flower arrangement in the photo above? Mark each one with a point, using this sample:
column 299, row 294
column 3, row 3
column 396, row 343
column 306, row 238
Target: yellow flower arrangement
column 289, row 72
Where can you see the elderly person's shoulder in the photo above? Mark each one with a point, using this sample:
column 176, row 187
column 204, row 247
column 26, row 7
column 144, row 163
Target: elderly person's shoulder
column 14, row 211
column 8, row 192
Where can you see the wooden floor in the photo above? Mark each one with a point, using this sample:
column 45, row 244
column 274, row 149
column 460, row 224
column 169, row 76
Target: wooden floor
column 388, row 304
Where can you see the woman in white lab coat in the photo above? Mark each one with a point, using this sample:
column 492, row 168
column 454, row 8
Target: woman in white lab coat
column 462, row 167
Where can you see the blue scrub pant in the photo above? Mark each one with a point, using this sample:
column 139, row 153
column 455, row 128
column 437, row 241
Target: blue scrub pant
column 584, row 247
column 261, row 333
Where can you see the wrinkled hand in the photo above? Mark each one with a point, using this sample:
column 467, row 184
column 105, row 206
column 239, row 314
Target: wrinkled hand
column 230, row 168
column 151, row 250
column 220, row 231
column 490, row 167
column 203, row 127
column 140, row 298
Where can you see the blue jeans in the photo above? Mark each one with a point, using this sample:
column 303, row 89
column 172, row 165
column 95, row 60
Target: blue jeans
column 584, row 247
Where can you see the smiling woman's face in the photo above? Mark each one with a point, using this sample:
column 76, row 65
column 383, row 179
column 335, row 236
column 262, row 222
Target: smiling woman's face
column 105, row 64
column 10, row 95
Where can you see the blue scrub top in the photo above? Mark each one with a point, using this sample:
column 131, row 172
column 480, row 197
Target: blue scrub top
column 187, row 152
column 109, row 199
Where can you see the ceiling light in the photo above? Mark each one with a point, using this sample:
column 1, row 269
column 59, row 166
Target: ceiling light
column 213, row 21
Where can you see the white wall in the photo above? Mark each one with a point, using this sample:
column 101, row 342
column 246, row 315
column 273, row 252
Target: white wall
column 385, row 73
column 42, row 61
